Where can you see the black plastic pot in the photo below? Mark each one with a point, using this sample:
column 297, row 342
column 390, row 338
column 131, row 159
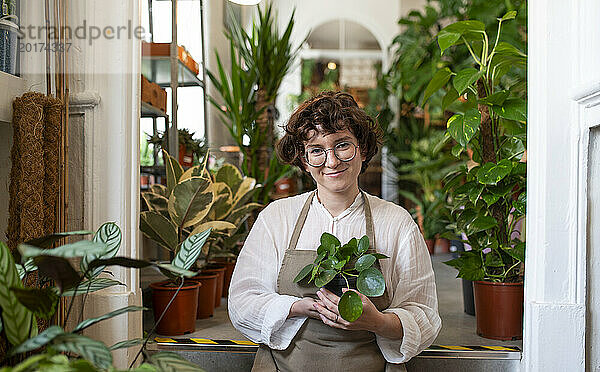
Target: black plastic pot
column 338, row 282
column 457, row 246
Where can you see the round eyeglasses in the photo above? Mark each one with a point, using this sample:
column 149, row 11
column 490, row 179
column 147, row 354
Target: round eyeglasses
column 317, row 156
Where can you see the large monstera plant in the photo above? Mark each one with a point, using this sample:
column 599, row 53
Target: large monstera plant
column 488, row 194
column 195, row 201
column 58, row 348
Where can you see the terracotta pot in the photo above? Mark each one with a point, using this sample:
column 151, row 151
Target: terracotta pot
column 499, row 310
column 213, row 268
column 430, row 245
column 186, row 158
column 444, row 245
column 180, row 318
column 206, row 294
column 229, row 266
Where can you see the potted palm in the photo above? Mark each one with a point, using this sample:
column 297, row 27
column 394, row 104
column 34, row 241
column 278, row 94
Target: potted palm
column 488, row 197
column 348, row 266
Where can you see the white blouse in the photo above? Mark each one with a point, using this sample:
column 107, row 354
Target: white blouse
column 259, row 312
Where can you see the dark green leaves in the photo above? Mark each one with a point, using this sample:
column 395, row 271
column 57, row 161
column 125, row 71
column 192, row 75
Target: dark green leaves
column 329, row 241
column 350, row 306
column 370, row 282
column 492, row 173
column 451, row 34
column 108, row 234
column 465, row 78
column 91, row 321
column 449, row 98
column 94, row 351
column 92, row 285
column 40, row 340
column 303, row 273
column 363, row 245
column 324, row 277
column 364, row 262
column 42, row 302
column 160, row 229
column 513, row 109
column 439, row 80
column 469, row 266
column 170, row 361
column 463, row 127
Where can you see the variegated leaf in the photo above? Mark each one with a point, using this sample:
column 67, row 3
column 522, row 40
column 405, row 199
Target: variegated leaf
column 238, row 214
column 218, row 227
column 173, row 170
column 247, row 185
column 110, row 235
column 156, row 202
column 190, row 250
column 195, row 171
column 160, row 229
column 159, row 189
column 231, row 176
column 190, row 201
column 223, row 202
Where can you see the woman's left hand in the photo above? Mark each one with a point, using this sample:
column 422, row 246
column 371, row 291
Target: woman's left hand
column 327, row 306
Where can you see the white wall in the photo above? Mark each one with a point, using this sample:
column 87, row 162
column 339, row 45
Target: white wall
column 564, row 91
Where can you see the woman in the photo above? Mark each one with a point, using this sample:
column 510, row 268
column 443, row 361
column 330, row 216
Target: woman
column 299, row 328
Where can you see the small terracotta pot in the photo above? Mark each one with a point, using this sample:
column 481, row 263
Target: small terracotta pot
column 444, row 245
column 213, row 268
column 206, row 294
column 180, row 318
column 229, row 266
column 430, row 245
column 499, row 310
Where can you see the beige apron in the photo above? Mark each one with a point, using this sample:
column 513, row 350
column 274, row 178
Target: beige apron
column 317, row 346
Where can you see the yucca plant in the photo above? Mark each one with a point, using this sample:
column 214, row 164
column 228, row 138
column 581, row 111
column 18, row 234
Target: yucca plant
column 21, row 306
column 269, row 54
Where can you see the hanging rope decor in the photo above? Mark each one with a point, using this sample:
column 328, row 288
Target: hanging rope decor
column 34, row 177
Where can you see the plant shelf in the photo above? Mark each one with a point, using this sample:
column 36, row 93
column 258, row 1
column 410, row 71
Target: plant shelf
column 158, row 70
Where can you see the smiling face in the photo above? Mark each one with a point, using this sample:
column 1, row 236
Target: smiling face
column 335, row 176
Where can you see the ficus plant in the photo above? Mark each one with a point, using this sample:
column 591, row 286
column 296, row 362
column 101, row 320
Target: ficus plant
column 194, row 201
column 488, row 193
column 350, row 260
column 58, row 348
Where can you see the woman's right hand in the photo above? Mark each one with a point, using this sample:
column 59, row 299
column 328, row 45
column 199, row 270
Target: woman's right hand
column 304, row 307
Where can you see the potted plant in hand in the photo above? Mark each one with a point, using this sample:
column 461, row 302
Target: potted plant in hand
column 488, row 197
column 350, row 266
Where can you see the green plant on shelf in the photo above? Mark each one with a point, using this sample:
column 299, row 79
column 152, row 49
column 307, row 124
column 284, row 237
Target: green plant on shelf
column 198, row 147
column 488, row 193
column 57, row 348
column 348, row 260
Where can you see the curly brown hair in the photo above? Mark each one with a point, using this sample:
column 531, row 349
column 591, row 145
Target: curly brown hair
column 327, row 113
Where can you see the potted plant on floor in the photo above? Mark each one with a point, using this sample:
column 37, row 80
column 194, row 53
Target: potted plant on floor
column 56, row 348
column 348, row 266
column 175, row 212
column 488, row 198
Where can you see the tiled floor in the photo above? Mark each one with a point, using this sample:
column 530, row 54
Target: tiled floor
column 458, row 328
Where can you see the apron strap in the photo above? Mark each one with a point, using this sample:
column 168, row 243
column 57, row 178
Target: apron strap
column 369, row 222
column 300, row 222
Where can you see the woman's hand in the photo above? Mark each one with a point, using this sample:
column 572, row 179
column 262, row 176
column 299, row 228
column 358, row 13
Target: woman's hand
column 304, row 307
column 373, row 320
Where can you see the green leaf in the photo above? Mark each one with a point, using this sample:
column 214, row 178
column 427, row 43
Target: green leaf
column 520, row 204
column 173, row 171
column 77, row 249
column 190, row 250
column 380, row 256
column 231, row 176
column 350, row 306
column 58, row 269
column 469, row 265
column 492, row 173
column 364, row 262
column 42, row 302
column 108, row 234
column 497, row 98
column 91, row 321
column 457, row 150
column 509, row 15
column 91, row 285
column 439, row 80
column 127, row 344
column 490, row 198
column 38, row 341
column 464, row 78
column 450, row 35
column 513, row 109
column 492, row 259
column 170, row 361
column 370, row 282
column 120, row 261
column 475, row 193
column 156, row 202
column 160, row 229
column 481, row 223
column 463, row 127
column 363, row 245
column 27, row 267
column 178, row 271
column 517, row 252
column 159, row 189
column 324, row 277
column 190, row 201
column 94, row 351
column 303, row 273
column 328, row 241
column 48, row 240
column 449, row 98
column 16, row 318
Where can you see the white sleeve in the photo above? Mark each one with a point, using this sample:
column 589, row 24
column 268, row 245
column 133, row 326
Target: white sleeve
column 255, row 307
column 414, row 299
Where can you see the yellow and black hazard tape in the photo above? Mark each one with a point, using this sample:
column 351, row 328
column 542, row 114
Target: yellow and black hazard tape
column 206, row 344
